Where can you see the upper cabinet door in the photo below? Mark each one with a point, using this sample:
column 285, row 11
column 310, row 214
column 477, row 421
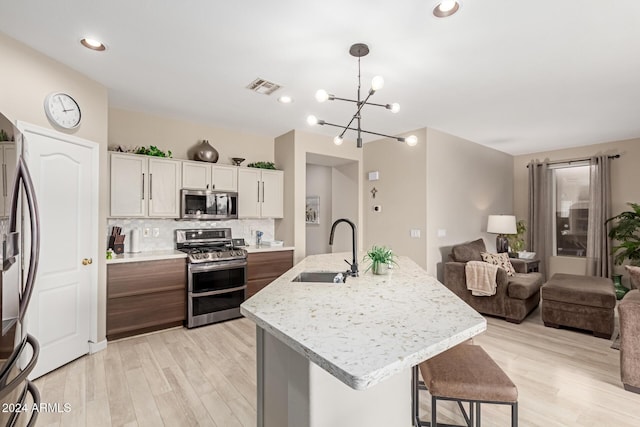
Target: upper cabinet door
column 164, row 188
column 272, row 194
column 129, row 181
column 196, row 176
column 249, row 187
column 225, row 178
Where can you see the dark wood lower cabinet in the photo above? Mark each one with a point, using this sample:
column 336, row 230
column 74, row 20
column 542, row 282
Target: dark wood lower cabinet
column 264, row 267
column 145, row 296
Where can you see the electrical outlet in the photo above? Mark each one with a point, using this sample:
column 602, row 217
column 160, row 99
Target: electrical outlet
column 156, row 232
column 442, row 233
column 146, row 232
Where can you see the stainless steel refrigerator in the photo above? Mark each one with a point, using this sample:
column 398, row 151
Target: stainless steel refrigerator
column 19, row 398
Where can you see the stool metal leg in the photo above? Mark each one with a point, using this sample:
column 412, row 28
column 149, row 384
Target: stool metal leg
column 479, row 423
column 514, row 414
column 434, row 414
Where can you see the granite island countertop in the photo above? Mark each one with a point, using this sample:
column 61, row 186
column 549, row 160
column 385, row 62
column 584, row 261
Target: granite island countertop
column 369, row 328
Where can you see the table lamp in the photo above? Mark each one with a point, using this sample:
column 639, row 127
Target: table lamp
column 501, row 225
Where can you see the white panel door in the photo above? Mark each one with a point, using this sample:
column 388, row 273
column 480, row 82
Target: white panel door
column 196, row 176
column 249, row 193
column 272, row 194
column 225, row 178
column 63, row 308
column 129, row 182
column 164, row 188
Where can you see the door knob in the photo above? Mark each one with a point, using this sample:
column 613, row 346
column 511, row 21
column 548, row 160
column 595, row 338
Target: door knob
column 87, row 261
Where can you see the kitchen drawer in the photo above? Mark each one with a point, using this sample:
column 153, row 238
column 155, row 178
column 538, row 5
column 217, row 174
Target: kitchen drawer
column 265, row 265
column 137, row 278
column 142, row 313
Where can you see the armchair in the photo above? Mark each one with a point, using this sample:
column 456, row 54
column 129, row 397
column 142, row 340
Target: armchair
column 629, row 310
column 515, row 297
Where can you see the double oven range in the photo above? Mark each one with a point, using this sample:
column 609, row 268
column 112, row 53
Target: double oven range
column 216, row 275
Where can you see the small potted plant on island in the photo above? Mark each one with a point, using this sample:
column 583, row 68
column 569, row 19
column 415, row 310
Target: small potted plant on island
column 380, row 258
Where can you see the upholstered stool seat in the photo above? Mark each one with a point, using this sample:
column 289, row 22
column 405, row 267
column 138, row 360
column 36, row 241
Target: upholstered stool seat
column 466, row 373
column 583, row 302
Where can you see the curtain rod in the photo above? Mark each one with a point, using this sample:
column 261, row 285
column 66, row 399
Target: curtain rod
column 558, row 162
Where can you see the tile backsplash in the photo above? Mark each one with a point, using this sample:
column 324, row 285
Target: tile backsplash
column 165, row 235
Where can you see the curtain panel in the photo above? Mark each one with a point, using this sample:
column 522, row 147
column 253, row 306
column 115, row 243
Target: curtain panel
column 540, row 219
column 599, row 259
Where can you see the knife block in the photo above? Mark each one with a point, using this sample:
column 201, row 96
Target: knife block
column 117, row 244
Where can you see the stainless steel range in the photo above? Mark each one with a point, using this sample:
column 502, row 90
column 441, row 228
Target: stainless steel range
column 217, row 275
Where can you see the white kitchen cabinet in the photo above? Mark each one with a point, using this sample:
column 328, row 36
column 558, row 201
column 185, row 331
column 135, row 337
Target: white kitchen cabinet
column 260, row 193
column 164, row 188
column 8, row 160
column 205, row 176
column 143, row 186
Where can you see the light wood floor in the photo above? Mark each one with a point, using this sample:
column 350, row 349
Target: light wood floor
column 206, row 376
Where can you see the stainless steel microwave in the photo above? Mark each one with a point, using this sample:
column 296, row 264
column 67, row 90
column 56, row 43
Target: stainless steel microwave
column 208, row 205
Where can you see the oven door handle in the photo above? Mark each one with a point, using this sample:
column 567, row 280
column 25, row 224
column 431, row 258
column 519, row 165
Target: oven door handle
column 216, row 265
column 221, row 291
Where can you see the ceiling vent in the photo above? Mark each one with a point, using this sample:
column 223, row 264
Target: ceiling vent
column 263, row 86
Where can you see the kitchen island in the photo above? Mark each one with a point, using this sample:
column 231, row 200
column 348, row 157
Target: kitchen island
column 341, row 354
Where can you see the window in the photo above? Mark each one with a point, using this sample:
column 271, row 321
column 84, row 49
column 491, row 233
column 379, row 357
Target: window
column 571, row 186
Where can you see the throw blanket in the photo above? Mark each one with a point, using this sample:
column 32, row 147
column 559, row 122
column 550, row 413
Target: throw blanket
column 481, row 278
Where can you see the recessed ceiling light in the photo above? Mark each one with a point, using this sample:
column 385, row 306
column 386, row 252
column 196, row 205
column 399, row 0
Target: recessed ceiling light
column 284, row 99
column 93, row 44
column 446, row 8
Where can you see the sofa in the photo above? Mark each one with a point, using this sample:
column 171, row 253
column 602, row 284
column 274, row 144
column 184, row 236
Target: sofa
column 629, row 310
column 516, row 296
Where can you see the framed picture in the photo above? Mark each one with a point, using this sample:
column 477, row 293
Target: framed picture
column 313, row 210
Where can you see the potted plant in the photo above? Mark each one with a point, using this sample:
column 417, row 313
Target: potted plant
column 516, row 241
column 626, row 231
column 380, row 258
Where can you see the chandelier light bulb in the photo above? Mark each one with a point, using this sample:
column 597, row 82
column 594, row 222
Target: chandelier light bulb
column 395, row 107
column 312, row 120
column 322, row 95
column 377, row 83
column 337, row 140
column 411, row 140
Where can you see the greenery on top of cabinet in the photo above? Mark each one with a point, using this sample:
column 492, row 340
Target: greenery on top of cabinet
column 262, row 165
column 152, row 150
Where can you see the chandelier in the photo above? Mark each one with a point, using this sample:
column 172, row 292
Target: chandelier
column 359, row 50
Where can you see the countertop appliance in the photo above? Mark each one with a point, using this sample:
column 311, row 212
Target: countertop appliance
column 208, row 204
column 216, row 275
column 18, row 350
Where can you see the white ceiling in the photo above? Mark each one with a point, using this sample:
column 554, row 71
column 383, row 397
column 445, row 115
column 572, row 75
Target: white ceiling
column 518, row 76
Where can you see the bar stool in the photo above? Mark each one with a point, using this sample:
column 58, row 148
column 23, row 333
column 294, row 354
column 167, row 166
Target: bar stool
column 465, row 373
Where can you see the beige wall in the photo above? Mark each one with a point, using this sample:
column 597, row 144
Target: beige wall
column 345, row 182
column 291, row 151
column 466, row 182
column 402, row 194
column 133, row 129
column 625, row 183
column 443, row 183
column 27, row 78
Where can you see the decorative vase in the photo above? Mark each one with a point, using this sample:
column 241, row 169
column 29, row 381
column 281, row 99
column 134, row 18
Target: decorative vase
column 380, row 268
column 206, row 152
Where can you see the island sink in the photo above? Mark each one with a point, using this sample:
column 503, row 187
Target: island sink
column 320, row 277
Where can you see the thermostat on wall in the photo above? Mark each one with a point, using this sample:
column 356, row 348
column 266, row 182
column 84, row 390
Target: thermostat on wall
column 374, row 176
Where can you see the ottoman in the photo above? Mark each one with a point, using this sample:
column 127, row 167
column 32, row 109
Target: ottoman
column 583, row 302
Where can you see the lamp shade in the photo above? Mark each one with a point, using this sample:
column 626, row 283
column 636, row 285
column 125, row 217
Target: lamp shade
column 501, row 224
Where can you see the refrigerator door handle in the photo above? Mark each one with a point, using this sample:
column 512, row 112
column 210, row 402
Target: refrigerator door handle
column 24, row 177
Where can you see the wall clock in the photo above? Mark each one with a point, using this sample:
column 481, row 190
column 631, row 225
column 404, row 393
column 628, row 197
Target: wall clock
column 62, row 110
